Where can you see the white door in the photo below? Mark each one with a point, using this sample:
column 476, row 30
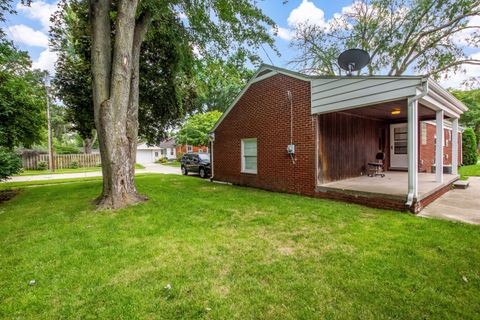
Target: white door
column 398, row 145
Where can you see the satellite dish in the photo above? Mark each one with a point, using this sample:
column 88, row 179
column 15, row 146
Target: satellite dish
column 353, row 60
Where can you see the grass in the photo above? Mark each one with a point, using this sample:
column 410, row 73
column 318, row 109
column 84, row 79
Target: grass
column 469, row 171
column 60, row 171
column 228, row 252
column 174, row 163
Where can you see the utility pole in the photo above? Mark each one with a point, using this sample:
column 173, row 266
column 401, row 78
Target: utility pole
column 51, row 165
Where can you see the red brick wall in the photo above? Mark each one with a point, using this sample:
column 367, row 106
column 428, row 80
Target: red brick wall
column 263, row 112
column 427, row 151
column 183, row 148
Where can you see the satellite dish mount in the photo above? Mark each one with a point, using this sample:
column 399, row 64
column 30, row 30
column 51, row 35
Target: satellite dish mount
column 353, row 60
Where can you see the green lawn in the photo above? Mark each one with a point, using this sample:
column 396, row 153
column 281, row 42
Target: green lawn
column 174, row 163
column 468, row 171
column 229, row 253
column 60, row 171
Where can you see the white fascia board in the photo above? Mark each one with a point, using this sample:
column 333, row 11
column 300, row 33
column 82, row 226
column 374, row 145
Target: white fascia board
column 447, row 95
column 436, row 102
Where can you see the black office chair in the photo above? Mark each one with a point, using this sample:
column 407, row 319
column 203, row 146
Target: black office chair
column 377, row 168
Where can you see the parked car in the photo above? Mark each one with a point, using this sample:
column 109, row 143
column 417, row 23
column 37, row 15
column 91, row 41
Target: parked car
column 196, row 162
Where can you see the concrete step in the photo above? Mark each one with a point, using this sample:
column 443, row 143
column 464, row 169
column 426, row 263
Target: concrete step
column 461, row 184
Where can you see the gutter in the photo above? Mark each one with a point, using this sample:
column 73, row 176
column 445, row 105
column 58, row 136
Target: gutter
column 411, row 191
column 211, row 137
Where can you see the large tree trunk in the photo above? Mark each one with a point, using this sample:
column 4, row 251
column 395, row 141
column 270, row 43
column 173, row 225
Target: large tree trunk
column 113, row 89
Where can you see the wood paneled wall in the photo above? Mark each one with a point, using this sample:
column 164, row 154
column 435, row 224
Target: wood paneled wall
column 347, row 143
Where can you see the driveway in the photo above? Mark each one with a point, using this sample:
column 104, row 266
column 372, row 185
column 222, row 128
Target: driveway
column 149, row 168
column 457, row 204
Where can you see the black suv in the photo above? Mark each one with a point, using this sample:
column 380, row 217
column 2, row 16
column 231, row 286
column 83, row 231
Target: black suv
column 196, row 162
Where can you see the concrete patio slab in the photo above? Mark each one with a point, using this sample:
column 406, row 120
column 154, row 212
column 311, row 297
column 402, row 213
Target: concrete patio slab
column 457, row 205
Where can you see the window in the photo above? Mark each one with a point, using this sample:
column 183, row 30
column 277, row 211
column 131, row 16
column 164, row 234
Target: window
column 208, row 150
column 189, row 148
column 204, row 157
column 171, row 151
column 249, row 155
column 163, row 152
column 200, row 150
column 156, row 153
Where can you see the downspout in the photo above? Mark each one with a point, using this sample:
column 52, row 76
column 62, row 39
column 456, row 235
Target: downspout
column 411, row 191
column 212, row 139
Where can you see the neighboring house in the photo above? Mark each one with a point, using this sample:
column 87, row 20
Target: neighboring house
column 168, row 149
column 189, row 148
column 147, row 154
column 315, row 136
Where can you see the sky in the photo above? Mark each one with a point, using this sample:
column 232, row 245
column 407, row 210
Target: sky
column 29, row 30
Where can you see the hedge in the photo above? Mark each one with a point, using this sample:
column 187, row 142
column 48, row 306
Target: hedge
column 469, row 147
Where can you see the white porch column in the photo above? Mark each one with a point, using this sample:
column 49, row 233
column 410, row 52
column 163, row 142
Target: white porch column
column 439, row 148
column 412, row 151
column 455, row 146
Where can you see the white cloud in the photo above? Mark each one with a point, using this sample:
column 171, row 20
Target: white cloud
column 456, row 79
column 40, row 11
column 306, row 12
column 283, row 33
column 23, row 34
column 46, row 61
column 462, row 37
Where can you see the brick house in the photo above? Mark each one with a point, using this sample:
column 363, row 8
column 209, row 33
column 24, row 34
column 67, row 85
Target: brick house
column 315, row 136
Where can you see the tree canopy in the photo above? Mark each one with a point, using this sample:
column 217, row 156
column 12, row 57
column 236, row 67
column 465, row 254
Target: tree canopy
column 401, row 35
column 195, row 130
column 471, row 118
column 219, row 82
column 22, row 98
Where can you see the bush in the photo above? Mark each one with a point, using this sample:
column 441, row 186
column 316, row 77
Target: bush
column 162, row 160
column 74, row 164
column 66, row 149
column 469, row 147
column 179, row 156
column 42, row 165
column 10, row 164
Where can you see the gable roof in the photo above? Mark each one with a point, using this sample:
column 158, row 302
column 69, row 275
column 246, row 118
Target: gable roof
column 438, row 97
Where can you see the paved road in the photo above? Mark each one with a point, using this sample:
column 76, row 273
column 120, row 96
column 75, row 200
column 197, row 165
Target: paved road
column 458, row 204
column 150, row 168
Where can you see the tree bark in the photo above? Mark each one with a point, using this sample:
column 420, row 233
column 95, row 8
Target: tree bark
column 112, row 90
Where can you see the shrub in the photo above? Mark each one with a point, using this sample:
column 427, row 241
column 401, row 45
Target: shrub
column 42, row 165
column 469, row 147
column 162, row 160
column 179, row 156
column 74, row 164
column 10, row 164
column 66, row 149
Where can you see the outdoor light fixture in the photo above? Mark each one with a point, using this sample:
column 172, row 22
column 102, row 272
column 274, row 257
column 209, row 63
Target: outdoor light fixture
column 396, row 111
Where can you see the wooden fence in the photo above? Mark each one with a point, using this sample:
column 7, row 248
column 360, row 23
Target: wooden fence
column 61, row 161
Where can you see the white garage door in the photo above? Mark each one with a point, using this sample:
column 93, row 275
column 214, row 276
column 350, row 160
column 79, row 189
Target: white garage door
column 144, row 156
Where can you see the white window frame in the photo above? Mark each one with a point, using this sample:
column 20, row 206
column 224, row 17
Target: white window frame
column 243, row 156
column 189, row 148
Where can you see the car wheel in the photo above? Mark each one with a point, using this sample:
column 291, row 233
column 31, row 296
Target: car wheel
column 184, row 171
column 203, row 173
